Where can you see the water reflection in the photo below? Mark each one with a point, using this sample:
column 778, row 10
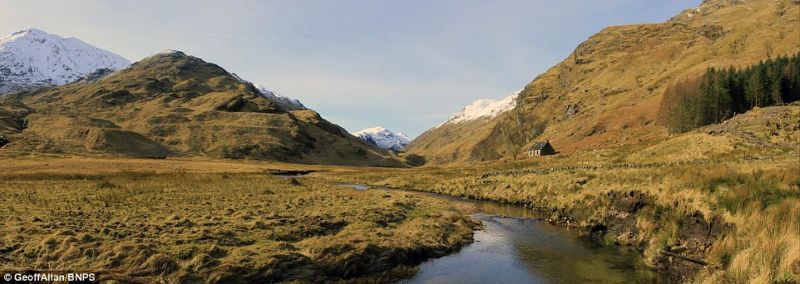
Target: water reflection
column 517, row 246
column 359, row 187
column 520, row 250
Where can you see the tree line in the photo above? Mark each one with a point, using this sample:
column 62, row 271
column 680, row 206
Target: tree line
column 720, row 94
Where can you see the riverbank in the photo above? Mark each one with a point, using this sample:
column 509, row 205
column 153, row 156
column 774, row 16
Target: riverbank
column 728, row 220
column 516, row 245
column 145, row 227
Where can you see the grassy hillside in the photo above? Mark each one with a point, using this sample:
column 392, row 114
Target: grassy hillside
column 12, row 113
column 614, row 82
column 717, row 204
column 448, row 142
column 172, row 104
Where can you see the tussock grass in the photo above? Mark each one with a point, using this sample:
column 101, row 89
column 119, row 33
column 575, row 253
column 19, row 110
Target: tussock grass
column 764, row 248
column 218, row 227
column 736, row 215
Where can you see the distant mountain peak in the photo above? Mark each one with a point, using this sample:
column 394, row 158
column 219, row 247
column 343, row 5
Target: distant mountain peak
column 483, row 108
column 384, row 138
column 32, row 58
column 189, row 62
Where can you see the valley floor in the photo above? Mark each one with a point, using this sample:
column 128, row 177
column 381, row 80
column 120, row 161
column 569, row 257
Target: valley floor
column 720, row 204
column 145, row 221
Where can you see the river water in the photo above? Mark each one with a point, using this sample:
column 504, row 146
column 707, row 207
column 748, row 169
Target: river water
column 517, row 246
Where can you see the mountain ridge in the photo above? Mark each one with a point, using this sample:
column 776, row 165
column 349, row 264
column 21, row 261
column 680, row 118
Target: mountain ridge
column 384, row 138
column 283, row 101
column 483, row 108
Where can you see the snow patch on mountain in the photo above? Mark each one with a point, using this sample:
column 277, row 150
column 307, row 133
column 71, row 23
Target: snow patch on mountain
column 170, row 51
column 483, row 108
column 285, row 102
column 32, row 59
column 384, row 138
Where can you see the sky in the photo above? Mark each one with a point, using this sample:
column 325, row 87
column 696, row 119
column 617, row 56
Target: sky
column 404, row 65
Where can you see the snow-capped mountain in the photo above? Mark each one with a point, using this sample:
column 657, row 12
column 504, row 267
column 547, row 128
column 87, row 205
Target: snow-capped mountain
column 286, row 102
column 384, row 138
column 483, row 108
column 32, row 58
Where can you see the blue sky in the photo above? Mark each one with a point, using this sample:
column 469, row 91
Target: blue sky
column 404, row 65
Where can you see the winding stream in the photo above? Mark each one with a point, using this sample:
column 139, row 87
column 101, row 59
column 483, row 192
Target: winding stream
column 517, row 246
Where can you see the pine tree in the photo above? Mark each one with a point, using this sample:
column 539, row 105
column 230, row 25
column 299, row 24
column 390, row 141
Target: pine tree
column 722, row 98
column 719, row 94
column 733, row 83
column 754, row 89
column 773, row 82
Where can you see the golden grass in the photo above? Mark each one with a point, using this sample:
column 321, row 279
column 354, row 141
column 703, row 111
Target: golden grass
column 759, row 199
column 765, row 247
column 215, row 227
column 51, row 164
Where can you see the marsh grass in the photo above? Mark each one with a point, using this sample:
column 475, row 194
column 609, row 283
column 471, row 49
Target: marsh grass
column 217, row 227
column 740, row 190
column 758, row 200
column 764, row 248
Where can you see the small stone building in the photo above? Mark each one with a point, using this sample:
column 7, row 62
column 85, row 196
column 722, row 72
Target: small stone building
column 541, row 149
